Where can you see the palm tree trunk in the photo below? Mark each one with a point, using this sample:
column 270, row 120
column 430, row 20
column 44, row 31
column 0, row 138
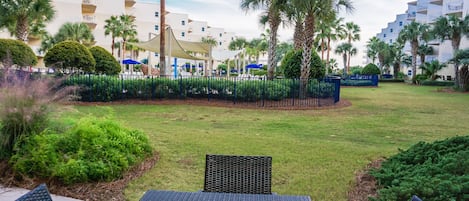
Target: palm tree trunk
column 274, row 22
column 414, row 48
column 307, row 49
column 112, row 46
column 455, row 44
column 396, row 68
column 328, row 54
column 344, row 57
column 323, row 44
column 298, row 35
column 22, row 29
column 348, row 61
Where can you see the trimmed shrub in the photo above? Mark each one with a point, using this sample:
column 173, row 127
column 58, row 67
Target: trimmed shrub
column 93, row 150
column 433, row 171
column 70, row 55
column 370, row 69
column 437, row 83
column 356, row 83
column 105, row 62
column 291, row 65
column 17, row 52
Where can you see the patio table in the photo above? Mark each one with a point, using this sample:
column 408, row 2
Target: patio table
column 158, row 195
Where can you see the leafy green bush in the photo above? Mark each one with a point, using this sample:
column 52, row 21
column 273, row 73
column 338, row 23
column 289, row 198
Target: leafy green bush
column 291, row 65
column 105, row 62
column 391, row 80
column 433, row 171
column 93, row 150
column 18, row 52
column 370, row 69
column 70, row 55
column 437, row 83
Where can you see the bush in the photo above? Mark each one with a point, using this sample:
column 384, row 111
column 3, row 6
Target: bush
column 437, row 83
column 433, row 171
column 24, row 107
column 93, row 150
column 291, row 65
column 16, row 52
column 356, row 83
column 371, row 69
column 105, row 62
column 70, row 55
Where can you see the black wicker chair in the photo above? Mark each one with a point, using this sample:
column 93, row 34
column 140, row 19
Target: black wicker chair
column 415, row 198
column 40, row 193
column 238, row 174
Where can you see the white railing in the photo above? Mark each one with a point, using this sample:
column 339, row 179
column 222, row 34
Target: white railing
column 92, row 2
column 89, row 18
column 455, row 6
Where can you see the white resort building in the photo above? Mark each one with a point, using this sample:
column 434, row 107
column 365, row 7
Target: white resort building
column 147, row 19
column 427, row 11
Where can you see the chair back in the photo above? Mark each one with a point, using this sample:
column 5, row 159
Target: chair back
column 40, row 193
column 238, row 174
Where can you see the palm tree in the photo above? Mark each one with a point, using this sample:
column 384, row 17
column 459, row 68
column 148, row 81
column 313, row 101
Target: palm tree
column 79, row 32
column 345, row 49
column 352, row 33
column 337, row 33
column 47, row 42
column 452, row 28
column 424, row 50
column 238, row 44
column 383, row 54
column 398, row 57
column 113, row 28
column 414, row 33
column 430, row 69
column 128, row 30
column 273, row 12
column 372, row 48
column 21, row 14
column 211, row 42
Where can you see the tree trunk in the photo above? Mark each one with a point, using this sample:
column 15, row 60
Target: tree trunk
column 307, row 49
column 274, row 22
column 396, row 68
column 464, row 76
column 298, row 35
column 455, row 44
column 323, row 47
column 162, row 38
column 414, row 48
column 344, row 57
column 22, row 27
column 112, row 46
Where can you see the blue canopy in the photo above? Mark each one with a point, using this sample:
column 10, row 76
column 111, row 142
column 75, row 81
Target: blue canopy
column 130, row 61
column 254, row 66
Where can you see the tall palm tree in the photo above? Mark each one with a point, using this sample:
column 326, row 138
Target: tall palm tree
column 113, row 28
column 337, row 33
column 452, row 28
column 211, row 42
column 345, row 49
column 128, row 30
column 382, row 54
column 273, row 12
column 79, row 32
column 414, row 33
column 423, row 51
column 352, row 33
column 398, row 57
column 20, row 14
column 372, row 48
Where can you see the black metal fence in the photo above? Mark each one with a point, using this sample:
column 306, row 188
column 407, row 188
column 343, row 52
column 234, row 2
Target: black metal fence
column 238, row 91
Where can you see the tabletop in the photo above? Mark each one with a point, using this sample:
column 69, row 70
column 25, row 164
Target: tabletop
column 156, row 195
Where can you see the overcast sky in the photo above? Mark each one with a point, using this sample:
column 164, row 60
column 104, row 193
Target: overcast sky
column 370, row 15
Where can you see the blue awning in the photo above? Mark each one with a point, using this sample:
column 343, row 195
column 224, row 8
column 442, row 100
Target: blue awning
column 130, row 61
column 254, row 66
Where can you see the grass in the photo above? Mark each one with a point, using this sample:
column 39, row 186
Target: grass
column 314, row 152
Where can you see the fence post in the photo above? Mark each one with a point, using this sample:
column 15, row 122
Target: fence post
column 337, row 89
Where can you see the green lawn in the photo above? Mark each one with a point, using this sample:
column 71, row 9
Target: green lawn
column 314, row 153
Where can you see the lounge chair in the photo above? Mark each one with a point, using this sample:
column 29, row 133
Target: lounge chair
column 40, row 193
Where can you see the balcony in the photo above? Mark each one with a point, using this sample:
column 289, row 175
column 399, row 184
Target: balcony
column 90, row 20
column 411, row 16
column 422, row 9
column 413, row 3
column 436, row 2
column 130, row 3
column 454, row 8
column 88, row 6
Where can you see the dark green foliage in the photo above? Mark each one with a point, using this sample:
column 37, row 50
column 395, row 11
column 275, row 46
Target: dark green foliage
column 105, row 62
column 291, row 65
column 105, row 88
column 92, row 150
column 433, row 171
column 70, row 55
column 370, row 69
column 391, row 80
column 19, row 53
column 437, row 83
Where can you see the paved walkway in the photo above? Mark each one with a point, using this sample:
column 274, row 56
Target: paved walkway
column 11, row 194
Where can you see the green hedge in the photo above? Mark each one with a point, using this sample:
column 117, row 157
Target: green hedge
column 391, row 80
column 437, row 83
column 92, row 150
column 433, row 171
column 109, row 88
column 356, row 83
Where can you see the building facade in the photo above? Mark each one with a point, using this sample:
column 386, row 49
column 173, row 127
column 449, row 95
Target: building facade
column 426, row 12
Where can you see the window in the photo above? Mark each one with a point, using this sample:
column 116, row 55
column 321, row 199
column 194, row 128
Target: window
column 203, row 29
column 390, row 40
column 221, row 35
column 391, row 30
column 156, row 54
column 219, row 43
column 157, row 14
column 183, row 22
column 232, row 39
column 157, row 27
column 385, row 35
column 183, row 34
column 400, row 23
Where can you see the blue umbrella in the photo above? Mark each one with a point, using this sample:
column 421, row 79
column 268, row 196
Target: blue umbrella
column 130, row 61
column 254, row 66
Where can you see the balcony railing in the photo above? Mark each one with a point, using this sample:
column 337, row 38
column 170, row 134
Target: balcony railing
column 411, row 15
column 88, row 6
column 422, row 9
column 454, row 7
column 437, row 2
column 90, row 20
column 130, row 3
